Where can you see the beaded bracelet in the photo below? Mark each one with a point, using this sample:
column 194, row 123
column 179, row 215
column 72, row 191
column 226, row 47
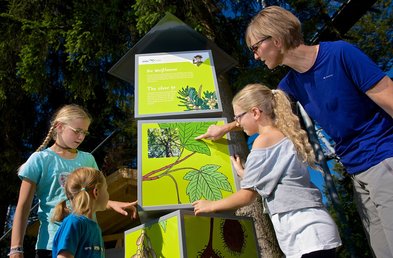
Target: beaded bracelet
column 16, row 250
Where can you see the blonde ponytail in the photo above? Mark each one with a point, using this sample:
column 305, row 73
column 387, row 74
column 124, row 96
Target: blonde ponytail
column 78, row 188
column 288, row 123
column 60, row 211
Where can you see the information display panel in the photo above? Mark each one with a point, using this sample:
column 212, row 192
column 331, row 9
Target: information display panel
column 176, row 84
column 175, row 170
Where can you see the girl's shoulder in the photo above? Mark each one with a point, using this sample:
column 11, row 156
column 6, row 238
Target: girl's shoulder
column 268, row 140
column 40, row 157
column 42, row 153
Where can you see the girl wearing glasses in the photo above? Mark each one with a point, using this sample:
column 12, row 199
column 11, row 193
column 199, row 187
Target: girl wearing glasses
column 44, row 174
column 276, row 169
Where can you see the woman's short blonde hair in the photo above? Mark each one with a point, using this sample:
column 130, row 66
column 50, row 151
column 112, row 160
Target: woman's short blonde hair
column 278, row 23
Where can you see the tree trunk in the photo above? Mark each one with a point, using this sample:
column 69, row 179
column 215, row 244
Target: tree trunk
column 266, row 237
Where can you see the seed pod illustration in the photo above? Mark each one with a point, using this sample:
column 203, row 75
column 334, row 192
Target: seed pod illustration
column 233, row 235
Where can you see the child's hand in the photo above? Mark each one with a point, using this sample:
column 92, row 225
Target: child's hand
column 237, row 163
column 121, row 208
column 203, row 206
column 214, row 132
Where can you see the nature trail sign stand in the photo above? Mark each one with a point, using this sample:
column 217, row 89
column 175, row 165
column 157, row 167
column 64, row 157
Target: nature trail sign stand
column 176, row 99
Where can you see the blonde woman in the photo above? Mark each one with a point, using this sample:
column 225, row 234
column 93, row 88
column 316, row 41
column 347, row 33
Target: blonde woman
column 276, row 169
column 44, row 173
column 79, row 234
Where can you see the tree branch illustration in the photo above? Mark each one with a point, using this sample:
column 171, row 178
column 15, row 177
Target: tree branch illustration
column 149, row 176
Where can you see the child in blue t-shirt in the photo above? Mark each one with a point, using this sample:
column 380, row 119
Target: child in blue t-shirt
column 79, row 234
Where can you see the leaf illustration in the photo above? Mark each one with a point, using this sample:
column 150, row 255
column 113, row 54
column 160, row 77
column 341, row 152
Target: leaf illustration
column 217, row 177
column 206, row 182
column 193, row 191
column 192, row 93
column 187, row 134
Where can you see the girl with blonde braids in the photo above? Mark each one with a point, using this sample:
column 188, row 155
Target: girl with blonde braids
column 276, row 169
column 44, row 173
column 79, row 234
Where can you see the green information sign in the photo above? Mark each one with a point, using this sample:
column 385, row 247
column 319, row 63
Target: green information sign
column 176, row 84
column 175, row 170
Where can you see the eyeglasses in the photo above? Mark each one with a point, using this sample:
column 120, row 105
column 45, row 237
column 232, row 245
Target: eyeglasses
column 254, row 48
column 79, row 131
column 237, row 118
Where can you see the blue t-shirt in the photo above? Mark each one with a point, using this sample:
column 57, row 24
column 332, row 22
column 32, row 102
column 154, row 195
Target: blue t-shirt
column 80, row 236
column 49, row 171
column 333, row 94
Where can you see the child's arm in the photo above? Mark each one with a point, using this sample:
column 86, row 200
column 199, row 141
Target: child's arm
column 26, row 194
column 215, row 132
column 239, row 199
column 121, row 207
